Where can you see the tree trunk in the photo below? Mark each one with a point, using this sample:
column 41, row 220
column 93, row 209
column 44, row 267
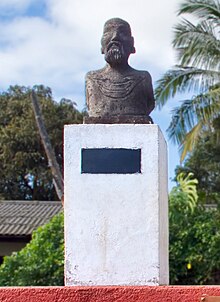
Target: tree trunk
column 52, row 161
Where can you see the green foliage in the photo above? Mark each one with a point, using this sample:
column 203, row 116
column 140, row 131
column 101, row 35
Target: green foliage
column 40, row 262
column 24, row 170
column 194, row 237
column 188, row 186
column 184, row 196
column 204, row 162
column 198, row 70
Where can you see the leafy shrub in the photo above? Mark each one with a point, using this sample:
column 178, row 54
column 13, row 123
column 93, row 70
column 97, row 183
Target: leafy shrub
column 41, row 261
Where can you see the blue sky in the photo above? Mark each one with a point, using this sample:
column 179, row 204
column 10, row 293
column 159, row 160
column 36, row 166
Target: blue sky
column 55, row 42
column 13, row 9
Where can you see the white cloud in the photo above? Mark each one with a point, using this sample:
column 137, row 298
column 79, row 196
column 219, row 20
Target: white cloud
column 151, row 21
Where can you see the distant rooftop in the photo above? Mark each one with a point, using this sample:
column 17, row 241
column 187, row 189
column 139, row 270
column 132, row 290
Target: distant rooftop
column 20, row 218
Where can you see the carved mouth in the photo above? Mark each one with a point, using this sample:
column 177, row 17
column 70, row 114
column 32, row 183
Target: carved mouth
column 115, row 53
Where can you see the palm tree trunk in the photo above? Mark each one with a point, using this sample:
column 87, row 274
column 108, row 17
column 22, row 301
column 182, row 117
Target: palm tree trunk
column 52, row 162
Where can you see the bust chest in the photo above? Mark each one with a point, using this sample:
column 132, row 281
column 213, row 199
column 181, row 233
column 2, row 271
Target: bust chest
column 115, row 94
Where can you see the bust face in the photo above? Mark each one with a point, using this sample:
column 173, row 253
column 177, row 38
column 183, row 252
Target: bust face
column 117, row 42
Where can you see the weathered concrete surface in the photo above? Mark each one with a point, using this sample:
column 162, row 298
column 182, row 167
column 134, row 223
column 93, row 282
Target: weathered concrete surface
column 108, row 294
column 116, row 225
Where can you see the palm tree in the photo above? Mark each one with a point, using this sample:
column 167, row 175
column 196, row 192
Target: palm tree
column 198, row 71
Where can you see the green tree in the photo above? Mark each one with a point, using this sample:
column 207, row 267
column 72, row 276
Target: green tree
column 24, row 170
column 204, row 162
column 197, row 46
column 194, row 237
column 40, row 262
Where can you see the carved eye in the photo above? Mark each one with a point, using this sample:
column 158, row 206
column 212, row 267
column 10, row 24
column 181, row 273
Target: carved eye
column 107, row 35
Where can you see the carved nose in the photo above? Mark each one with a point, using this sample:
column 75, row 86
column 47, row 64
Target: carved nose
column 115, row 36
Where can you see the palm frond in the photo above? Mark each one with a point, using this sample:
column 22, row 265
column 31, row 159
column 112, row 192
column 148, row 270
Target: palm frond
column 184, row 80
column 188, row 185
column 207, row 106
column 183, row 119
column 204, row 107
column 197, row 45
column 189, row 119
column 190, row 140
column 198, row 53
column 208, row 9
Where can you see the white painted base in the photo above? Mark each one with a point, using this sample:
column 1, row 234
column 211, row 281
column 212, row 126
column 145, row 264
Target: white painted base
column 116, row 225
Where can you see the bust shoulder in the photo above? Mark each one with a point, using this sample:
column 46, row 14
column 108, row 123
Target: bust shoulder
column 131, row 72
column 141, row 73
column 94, row 73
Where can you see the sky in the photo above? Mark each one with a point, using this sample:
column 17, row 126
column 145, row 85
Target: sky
column 56, row 42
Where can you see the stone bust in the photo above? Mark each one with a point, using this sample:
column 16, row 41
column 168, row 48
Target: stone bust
column 118, row 90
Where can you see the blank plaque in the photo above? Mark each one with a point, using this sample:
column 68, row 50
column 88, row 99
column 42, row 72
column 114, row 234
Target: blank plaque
column 110, row 161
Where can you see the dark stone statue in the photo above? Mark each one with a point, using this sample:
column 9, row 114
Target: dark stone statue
column 118, row 93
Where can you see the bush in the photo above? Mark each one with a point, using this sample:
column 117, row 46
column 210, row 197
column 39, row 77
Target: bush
column 194, row 240
column 40, row 262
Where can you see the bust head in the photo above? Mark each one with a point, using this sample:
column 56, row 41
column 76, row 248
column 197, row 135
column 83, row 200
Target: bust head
column 117, row 41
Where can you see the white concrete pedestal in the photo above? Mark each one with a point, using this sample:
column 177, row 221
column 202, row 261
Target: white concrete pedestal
column 116, row 225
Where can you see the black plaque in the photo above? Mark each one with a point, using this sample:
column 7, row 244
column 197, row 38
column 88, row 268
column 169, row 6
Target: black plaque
column 111, row 161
